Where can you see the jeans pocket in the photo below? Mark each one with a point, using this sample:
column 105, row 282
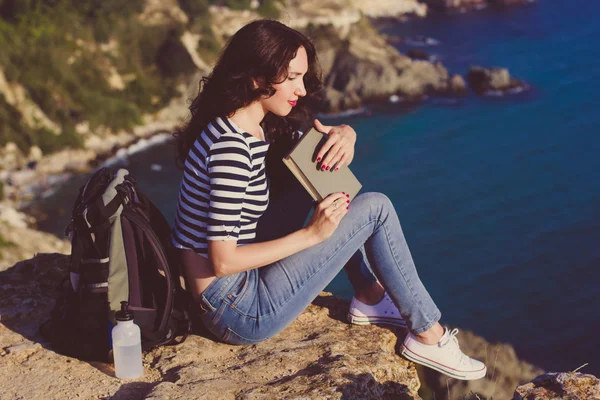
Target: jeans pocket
column 238, row 290
column 232, row 337
column 214, row 321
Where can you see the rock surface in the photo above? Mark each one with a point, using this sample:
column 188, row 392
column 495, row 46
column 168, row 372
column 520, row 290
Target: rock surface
column 565, row 385
column 318, row 356
column 360, row 66
column 493, row 80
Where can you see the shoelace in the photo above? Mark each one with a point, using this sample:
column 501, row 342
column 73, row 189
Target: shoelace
column 455, row 348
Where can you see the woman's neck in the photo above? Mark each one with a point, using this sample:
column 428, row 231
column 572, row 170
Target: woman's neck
column 249, row 118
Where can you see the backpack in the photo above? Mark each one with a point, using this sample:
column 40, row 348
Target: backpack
column 121, row 251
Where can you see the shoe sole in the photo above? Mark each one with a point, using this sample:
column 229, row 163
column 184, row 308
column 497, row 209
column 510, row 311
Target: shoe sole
column 353, row 319
column 464, row 376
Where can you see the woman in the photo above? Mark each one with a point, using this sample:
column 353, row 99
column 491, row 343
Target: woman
column 258, row 95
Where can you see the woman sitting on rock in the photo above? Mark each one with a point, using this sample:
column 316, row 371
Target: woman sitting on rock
column 249, row 262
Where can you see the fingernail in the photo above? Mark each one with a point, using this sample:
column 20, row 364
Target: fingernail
column 347, row 208
column 347, row 201
column 347, row 195
column 319, row 159
column 322, row 167
column 327, row 168
column 337, row 168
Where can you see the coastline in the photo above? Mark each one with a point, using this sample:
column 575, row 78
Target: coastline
column 360, row 66
column 114, row 151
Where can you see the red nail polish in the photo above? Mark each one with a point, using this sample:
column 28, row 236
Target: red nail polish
column 337, row 168
column 347, row 201
column 319, row 159
column 327, row 168
column 347, row 195
column 347, row 208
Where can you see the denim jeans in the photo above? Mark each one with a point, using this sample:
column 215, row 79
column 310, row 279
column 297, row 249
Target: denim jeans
column 251, row 306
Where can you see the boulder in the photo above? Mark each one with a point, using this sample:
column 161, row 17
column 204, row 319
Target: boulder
column 560, row 385
column 417, row 54
column 486, row 80
column 458, row 85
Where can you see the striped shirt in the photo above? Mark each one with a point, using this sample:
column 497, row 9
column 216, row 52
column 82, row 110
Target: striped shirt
column 224, row 190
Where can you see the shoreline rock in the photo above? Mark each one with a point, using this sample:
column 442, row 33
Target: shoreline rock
column 494, row 81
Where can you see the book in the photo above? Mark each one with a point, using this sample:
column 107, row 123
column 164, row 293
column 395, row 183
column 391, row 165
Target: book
column 302, row 162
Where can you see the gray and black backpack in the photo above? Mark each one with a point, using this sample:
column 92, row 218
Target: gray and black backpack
column 120, row 252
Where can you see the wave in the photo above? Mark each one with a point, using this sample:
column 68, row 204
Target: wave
column 345, row 113
column 421, row 41
column 141, row 145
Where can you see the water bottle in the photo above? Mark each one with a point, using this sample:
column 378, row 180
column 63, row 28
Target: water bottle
column 127, row 345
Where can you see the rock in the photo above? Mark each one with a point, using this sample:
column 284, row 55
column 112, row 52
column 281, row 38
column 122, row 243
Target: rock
column 12, row 217
column 35, row 154
column 390, row 8
column 173, row 58
column 11, row 157
column 417, row 54
column 565, row 385
column 485, row 80
column 458, row 85
column 17, row 96
column 422, row 77
column 163, row 12
column 25, row 243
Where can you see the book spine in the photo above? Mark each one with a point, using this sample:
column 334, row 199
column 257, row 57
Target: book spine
column 302, row 179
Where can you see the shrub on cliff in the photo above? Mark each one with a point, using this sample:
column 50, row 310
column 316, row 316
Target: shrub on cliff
column 60, row 52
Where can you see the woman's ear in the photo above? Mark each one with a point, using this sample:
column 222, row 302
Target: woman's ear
column 258, row 83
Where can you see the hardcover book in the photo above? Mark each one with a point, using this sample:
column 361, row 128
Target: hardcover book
column 302, row 162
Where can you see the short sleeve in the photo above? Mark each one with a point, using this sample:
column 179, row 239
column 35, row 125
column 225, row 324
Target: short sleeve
column 229, row 169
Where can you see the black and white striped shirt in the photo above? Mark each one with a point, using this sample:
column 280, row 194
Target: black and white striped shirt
column 224, row 190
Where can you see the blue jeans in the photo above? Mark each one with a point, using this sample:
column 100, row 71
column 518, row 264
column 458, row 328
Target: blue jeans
column 251, row 306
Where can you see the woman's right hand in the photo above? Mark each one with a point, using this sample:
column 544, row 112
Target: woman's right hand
column 327, row 215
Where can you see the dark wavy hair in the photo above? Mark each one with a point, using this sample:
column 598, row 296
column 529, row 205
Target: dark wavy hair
column 259, row 52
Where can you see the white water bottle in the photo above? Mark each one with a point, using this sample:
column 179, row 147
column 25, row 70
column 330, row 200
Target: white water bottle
column 127, row 345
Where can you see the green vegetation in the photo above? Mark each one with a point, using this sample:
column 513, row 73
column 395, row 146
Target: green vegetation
column 54, row 49
column 268, row 9
column 65, row 52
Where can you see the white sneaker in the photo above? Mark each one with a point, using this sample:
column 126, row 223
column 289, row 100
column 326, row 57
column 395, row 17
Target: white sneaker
column 445, row 357
column 384, row 312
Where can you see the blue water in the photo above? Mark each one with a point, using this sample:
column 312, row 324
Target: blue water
column 499, row 198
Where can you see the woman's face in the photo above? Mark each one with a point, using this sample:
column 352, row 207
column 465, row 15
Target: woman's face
column 291, row 89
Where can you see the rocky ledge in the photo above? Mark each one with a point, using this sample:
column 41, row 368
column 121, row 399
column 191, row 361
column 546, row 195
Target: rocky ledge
column 319, row 356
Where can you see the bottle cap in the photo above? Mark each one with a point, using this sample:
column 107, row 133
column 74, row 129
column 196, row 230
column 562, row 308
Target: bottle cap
column 124, row 314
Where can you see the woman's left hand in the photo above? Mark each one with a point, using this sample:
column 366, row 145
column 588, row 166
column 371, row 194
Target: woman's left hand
column 339, row 147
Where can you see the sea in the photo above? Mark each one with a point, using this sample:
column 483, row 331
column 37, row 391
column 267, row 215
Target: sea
column 499, row 197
